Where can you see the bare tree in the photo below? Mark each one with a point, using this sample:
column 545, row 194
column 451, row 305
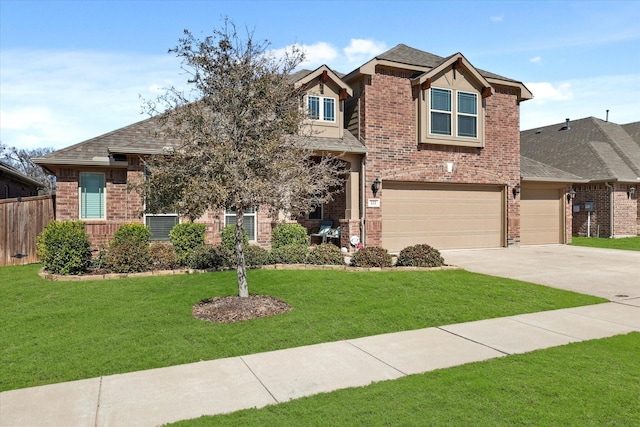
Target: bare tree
column 238, row 137
column 22, row 160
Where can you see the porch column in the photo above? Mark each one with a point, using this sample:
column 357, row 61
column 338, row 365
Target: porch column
column 352, row 208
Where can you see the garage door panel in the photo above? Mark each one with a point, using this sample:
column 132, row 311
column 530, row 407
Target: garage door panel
column 541, row 216
column 443, row 217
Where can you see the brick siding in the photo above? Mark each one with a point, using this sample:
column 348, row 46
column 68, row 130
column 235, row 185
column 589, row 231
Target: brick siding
column 390, row 133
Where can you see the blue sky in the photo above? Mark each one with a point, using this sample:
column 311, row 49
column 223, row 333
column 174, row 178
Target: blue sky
column 72, row 70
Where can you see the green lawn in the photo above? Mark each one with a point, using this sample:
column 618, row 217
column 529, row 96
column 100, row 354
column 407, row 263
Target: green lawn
column 628, row 243
column 591, row 383
column 62, row 331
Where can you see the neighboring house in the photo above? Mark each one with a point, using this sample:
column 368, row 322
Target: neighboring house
column 433, row 146
column 605, row 157
column 15, row 184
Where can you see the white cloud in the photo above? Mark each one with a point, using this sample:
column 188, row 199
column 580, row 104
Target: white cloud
column 314, row 55
column 497, row 18
column 536, row 59
column 580, row 98
column 59, row 98
column 361, row 50
column 544, row 91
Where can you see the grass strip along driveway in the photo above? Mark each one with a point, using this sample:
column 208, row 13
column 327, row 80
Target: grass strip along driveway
column 62, row 331
column 627, row 243
column 591, row 383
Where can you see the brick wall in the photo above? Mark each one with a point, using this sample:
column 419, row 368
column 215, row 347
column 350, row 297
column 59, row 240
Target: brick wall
column 389, row 131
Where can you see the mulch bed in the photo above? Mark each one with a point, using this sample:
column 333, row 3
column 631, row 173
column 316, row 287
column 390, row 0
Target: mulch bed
column 235, row 309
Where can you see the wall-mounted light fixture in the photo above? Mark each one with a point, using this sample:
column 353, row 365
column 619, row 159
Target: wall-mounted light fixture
column 516, row 190
column 375, row 187
column 631, row 191
column 571, row 195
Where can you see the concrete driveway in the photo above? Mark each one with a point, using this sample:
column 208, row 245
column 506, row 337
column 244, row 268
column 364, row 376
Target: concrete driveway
column 607, row 273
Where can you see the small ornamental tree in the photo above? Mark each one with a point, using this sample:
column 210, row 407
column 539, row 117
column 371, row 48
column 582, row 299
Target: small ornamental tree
column 238, row 139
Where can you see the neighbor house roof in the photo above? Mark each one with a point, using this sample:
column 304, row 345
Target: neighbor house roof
column 590, row 148
column 17, row 176
column 533, row 170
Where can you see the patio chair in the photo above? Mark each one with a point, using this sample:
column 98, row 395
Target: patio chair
column 325, row 229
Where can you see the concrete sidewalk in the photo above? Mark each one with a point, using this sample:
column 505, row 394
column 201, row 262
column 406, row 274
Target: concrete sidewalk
column 159, row 396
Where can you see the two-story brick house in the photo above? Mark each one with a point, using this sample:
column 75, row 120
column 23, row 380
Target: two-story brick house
column 443, row 137
column 436, row 138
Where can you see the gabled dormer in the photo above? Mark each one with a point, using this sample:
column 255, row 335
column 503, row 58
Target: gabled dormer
column 324, row 96
column 451, row 103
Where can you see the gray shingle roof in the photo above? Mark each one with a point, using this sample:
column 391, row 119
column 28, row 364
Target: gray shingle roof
column 142, row 138
column 408, row 55
column 533, row 170
column 591, row 148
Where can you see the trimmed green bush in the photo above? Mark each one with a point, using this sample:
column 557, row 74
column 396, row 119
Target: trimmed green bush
column 255, row 256
column 372, row 256
column 326, row 254
column 186, row 237
column 134, row 231
column 229, row 237
column 421, row 255
column 289, row 234
column 289, row 254
column 129, row 249
column 63, row 247
column 209, row 257
column 163, row 256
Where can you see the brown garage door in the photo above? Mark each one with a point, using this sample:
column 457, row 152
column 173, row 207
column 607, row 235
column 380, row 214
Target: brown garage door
column 443, row 216
column 541, row 219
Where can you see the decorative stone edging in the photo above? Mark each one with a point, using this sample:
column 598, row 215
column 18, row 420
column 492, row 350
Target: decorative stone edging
column 111, row 276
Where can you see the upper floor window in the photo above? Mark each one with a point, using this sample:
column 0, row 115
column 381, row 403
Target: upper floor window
column 249, row 221
column 92, row 195
column 321, row 108
column 443, row 103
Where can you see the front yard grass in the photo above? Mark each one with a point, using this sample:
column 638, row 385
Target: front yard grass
column 627, row 243
column 63, row 331
column 591, row 383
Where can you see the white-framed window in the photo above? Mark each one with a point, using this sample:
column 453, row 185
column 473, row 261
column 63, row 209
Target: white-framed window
column 160, row 225
column 442, row 120
column 250, row 221
column 92, row 195
column 321, row 108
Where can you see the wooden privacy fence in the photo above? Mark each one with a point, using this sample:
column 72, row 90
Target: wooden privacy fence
column 21, row 220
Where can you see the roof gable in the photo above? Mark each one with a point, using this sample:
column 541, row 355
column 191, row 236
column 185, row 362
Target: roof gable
column 406, row 57
column 322, row 73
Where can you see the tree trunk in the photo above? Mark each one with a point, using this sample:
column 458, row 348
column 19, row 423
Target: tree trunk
column 243, row 286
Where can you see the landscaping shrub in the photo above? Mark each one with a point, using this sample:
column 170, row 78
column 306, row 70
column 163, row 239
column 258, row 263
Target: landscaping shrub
column 421, row 255
column 63, row 247
column 209, row 257
column 163, row 256
column 372, row 257
column 129, row 249
column 186, row 237
column 326, row 254
column 134, row 232
column 289, row 234
column 229, row 238
column 289, row 254
column 255, row 256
